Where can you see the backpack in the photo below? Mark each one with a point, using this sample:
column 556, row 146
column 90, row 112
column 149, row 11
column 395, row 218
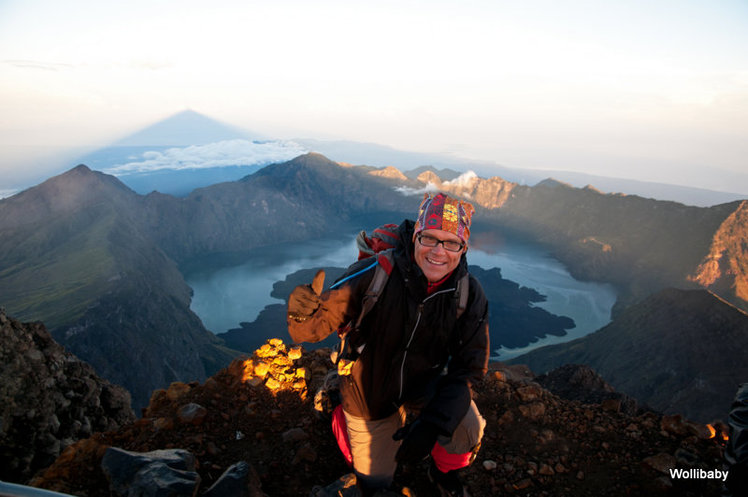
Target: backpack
column 380, row 246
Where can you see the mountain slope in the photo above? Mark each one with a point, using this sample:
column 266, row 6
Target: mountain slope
column 678, row 351
column 535, row 443
column 87, row 255
column 75, row 257
column 639, row 245
column 99, row 263
column 305, row 198
column 56, row 246
column 49, row 399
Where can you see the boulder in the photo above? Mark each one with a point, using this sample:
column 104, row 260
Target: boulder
column 167, row 473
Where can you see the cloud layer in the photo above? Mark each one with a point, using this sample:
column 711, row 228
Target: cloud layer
column 218, row 154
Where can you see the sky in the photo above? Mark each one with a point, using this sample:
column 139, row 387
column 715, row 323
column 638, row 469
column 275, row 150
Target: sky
column 655, row 90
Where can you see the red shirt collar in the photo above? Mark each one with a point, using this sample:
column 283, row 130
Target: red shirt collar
column 432, row 287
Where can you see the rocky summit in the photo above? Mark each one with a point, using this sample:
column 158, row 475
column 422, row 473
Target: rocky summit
column 252, row 429
column 49, row 399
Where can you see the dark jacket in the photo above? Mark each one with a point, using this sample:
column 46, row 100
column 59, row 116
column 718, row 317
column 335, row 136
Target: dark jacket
column 408, row 339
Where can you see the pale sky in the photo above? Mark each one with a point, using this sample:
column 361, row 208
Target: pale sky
column 645, row 89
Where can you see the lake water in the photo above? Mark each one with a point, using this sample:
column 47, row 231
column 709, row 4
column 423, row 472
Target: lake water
column 226, row 296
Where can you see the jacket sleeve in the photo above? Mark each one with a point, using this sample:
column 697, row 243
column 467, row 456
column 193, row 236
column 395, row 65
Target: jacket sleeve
column 337, row 308
column 468, row 363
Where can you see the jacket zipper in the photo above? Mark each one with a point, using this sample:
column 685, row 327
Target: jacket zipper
column 413, row 334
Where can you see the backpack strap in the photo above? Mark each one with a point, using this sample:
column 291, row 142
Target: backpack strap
column 462, row 294
column 385, row 263
column 382, row 268
column 350, row 277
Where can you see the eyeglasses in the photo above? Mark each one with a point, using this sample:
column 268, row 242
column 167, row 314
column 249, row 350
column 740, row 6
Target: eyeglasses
column 430, row 241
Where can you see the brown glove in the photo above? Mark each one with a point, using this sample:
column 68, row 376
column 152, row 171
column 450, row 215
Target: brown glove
column 304, row 299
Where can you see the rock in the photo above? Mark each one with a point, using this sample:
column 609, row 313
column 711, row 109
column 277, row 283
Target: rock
column 529, row 393
column 176, row 390
column 661, row 462
column 239, row 480
column 211, row 448
column 294, row 353
column 160, row 480
column 611, row 405
column 686, row 457
column 163, row 424
column 506, row 418
column 156, row 473
column 522, row 484
column 272, row 384
column 546, row 470
column 582, row 383
column 261, row 369
column 49, row 399
column 305, row 453
column 192, row 413
column 294, row 435
column 489, row 465
column 533, row 411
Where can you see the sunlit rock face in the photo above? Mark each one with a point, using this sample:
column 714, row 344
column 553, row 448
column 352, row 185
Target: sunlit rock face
column 725, row 268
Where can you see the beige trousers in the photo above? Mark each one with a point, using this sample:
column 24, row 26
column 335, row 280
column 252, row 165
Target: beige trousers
column 374, row 450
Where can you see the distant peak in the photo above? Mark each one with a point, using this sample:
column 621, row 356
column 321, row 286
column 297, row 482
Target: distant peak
column 81, row 168
column 83, row 175
column 312, row 158
column 554, row 183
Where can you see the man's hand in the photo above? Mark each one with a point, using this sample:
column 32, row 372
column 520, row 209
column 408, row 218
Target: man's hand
column 418, row 439
column 304, row 299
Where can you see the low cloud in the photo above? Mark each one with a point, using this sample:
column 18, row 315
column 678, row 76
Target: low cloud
column 217, row 154
column 465, row 179
column 407, row 191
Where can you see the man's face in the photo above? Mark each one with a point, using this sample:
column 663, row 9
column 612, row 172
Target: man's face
column 436, row 262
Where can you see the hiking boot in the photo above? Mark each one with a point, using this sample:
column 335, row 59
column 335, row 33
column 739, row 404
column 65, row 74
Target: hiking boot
column 449, row 483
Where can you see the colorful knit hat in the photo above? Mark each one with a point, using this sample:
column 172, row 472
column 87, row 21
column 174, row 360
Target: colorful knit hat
column 442, row 212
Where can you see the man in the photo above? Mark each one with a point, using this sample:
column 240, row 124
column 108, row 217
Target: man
column 417, row 350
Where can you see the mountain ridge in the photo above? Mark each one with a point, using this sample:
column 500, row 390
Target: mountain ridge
column 79, row 260
column 112, row 249
column 679, row 351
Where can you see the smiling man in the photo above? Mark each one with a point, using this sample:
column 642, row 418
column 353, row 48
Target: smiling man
column 416, row 338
